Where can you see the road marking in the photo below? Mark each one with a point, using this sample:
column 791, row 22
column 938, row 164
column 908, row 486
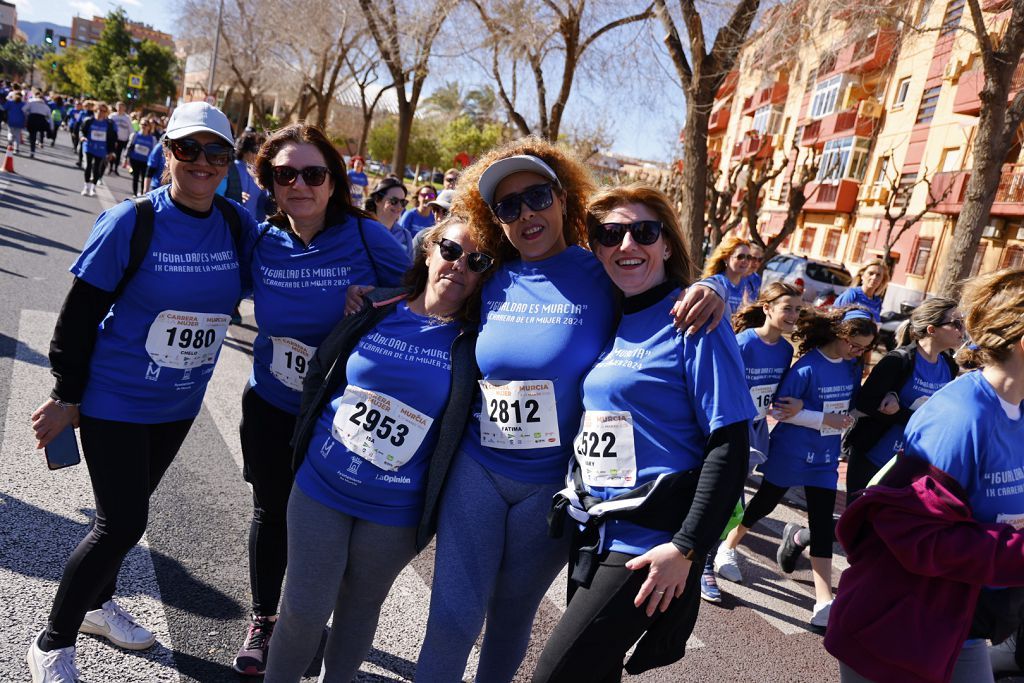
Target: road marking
column 45, row 515
column 106, row 197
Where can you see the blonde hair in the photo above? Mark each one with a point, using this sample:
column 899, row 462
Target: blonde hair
column 877, row 263
column 576, row 186
column 716, row 263
column 993, row 307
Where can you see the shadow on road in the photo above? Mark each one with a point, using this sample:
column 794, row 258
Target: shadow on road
column 22, row 236
column 8, row 346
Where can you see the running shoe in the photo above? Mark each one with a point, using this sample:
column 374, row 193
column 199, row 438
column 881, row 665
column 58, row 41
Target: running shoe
column 92, row 189
column 251, row 659
column 85, row 190
column 819, row 617
column 709, row 585
column 727, row 565
column 112, row 622
column 789, row 549
column 55, row 666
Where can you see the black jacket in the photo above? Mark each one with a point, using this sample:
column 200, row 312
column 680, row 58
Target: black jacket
column 327, row 372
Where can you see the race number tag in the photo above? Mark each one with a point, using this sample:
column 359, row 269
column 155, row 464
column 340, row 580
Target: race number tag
column 98, row 134
column 290, row 361
column 142, row 150
column 1014, row 520
column 518, row 415
column 919, row 401
column 379, row 428
column 837, row 407
column 604, row 448
column 179, row 339
column 762, row 396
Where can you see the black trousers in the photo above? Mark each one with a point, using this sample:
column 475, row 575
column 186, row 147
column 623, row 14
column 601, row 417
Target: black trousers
column 138, row 175
column 265, row 433
column 126, row 462
column 820, row 504
column 859, row 471
column 94, row 167
column 118, row 151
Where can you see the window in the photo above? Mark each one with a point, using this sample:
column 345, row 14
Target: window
column 951, row 19
column 929, row 100
column 1013, row 258
column 922, row 13
column 826, row 94
column 882, row 174
column 844, row 158
column 766, row 120
column 860, row 246
column 979, row 258
column 922, row 254
column 811, row 76
column 831, row 247
column 905, row 189
column 901, row 93
column 807, row 240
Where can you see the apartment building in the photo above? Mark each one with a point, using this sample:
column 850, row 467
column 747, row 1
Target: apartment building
column 883, row 108
column 85, row 32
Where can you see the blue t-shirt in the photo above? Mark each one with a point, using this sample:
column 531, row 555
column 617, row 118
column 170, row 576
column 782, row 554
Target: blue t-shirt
column 141, row 146
column 765, row 364
column 737, row 296
column 801, row 456
column 406, row 357
column 155, row 166
column 299, row 296
column 926, row 380
column 856, row 296
column 677, row 390
column 544, row 323
column 358, row 183
column 964, row 431
column 96, row 140
column 156, row 347
column 752, row 283
column 412, row 221
column 15, row 115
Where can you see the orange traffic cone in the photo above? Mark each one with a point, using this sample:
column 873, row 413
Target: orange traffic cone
column 9, row 159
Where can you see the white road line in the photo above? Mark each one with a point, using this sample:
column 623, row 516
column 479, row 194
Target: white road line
column 106, row 197
column 44, row 518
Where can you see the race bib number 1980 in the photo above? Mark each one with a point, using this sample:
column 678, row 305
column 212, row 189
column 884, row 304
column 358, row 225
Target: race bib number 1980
column 379, row 428
column 179, row 339
column 519, row 415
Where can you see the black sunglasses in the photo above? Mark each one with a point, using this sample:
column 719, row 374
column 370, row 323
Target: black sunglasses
column 313, row 176
column 957, row 325
column 744, row 257
column 643, row 232
column 537, row 198
column 188, row 150
column 452, row 251
column 397, row 201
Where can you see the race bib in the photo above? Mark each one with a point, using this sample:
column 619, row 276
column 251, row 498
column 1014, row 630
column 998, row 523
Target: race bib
column 290, row 361
column 142, row 150
column 920, row 401
column 98, row 134
column 518, row 415
column 839, row 407
column 179, row 339
column 1014, row 520
column 604, row 448
column 379, row 428
column 762, row 396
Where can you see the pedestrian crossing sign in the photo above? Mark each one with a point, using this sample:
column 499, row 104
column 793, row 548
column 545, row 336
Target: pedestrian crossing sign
column 134, row 80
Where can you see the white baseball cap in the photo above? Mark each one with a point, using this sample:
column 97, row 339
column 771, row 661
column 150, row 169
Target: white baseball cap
column 198, row 117
column 503, row 168
column 444, row 199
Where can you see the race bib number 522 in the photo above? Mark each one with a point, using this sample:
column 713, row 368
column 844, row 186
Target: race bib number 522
column 182, row 340
column 605, row 450
column 518, row 415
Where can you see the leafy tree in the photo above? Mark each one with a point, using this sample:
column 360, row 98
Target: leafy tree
column 422, row 150
column 70, row 75
column 17, row 58
column 158, row 67
column 464, row 135
column 110, row 61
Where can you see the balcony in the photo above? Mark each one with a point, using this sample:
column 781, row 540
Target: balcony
column 810, row 133
column 753, row 147
column 728, row 85
column 968, row 90
column 776, row 93
column 1009, row 200
column 842, row 124
column 867, row 55
column 719, row 121
column 838, row 197
column 955, row 182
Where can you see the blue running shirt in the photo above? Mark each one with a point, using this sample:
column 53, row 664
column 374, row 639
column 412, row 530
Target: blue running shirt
column 856, row 296
column 765, row 365
column 142, row 146
column 95, row 143
column 412, row 221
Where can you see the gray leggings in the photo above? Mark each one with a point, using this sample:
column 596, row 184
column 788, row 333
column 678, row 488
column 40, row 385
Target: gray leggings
column 339, row 562
column 972, row 666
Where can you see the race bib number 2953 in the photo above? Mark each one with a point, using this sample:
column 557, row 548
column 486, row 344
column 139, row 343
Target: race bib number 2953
column 379, row 428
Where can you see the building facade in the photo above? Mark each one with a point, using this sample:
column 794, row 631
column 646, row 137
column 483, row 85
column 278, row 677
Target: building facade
column 85, row 32
column 8, row 21
column 889, row 112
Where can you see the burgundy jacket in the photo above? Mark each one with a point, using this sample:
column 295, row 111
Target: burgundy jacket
column 918, row 560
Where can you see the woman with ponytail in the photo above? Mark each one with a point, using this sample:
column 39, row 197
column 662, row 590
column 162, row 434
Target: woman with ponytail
column 900, row 384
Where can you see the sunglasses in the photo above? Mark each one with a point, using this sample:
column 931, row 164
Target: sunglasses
column 452, row 251
column 313, row 176
column 188, row 150
column 396, row 201
column 537, row 198
column 957, row 325
column 744, row 257
column 643, row 232
column 452, row 179
column 428, row 195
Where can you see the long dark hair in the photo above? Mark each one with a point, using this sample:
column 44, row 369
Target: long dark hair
column 380, row 190
column 815, row 328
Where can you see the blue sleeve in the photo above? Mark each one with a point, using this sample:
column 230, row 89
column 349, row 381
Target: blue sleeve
column 796, row 383
column 950, row 440
column 847, row 298
column 106, row 253
column 155, row 162
column 713, row 370
column 389, row 256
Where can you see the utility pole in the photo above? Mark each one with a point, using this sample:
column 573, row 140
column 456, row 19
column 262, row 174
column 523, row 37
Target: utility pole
column 213, row 59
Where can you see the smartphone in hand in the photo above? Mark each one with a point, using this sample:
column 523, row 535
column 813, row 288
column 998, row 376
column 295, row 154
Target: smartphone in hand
column 63, row 450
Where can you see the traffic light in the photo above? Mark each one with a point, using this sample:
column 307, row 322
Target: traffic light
column 49, row 36
column 53, row 65
column 63, row 41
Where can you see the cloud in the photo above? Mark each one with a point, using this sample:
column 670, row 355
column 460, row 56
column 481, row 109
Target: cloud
column 133, row 3
column 86, row 8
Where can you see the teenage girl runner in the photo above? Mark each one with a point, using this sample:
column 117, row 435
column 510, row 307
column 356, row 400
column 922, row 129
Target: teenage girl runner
column 99, row 137
column 804, row 449
column 868, row 289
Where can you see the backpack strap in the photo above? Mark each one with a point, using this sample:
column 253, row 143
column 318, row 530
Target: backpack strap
column 230, row 214
column 366, row 248
column 142, row 235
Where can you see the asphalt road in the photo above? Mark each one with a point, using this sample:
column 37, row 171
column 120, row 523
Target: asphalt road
column 188, row 580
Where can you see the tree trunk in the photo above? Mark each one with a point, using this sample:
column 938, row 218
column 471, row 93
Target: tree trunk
column 364, row 134
column 693, row 179
column 405, row 116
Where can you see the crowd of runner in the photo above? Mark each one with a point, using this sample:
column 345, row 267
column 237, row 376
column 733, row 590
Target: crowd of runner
column 525, row 367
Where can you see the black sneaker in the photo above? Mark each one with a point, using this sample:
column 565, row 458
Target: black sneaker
column 251, row 659
column 789, row 549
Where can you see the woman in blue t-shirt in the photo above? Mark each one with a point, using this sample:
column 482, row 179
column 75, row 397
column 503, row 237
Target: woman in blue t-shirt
column 302, row 261
column 99, row 138
column 140, row 145
column 380, row 387
column 899, row 384
column 868, row 289
column 664, row 436
column 133, row 352
column 730, row 264
column 804, row 449
column 547, row 313
column 386, row 204
column 421, row 216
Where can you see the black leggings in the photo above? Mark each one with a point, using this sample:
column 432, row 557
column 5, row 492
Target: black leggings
column 820, row 504
column 126, row 462
column 859, row 471
column 138, row 175
column 119, row 147
column 601, row 623
column 265, row 433
column 94, row 167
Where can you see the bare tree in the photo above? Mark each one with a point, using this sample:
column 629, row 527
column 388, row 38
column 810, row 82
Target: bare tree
column 998, row 124
column 405, row 33
column 362, row 70
column 800, row 176
column 722, row 188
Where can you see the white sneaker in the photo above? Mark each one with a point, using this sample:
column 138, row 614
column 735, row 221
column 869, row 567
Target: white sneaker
column 85, row 190
column 92, row 189
column 56, row 666
column 819, row 617
column 726, row 564
column 117, row 626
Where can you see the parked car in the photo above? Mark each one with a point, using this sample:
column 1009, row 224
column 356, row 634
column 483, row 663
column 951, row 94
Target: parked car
column 820, row 281
column 375, row 167
column 891, row 321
